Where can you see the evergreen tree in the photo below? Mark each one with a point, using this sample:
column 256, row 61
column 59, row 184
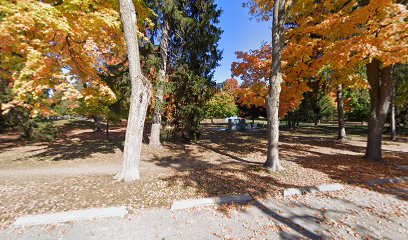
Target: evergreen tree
column 194, row 55
column 316, row 106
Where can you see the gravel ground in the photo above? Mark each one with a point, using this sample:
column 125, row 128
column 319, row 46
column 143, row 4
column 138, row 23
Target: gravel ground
column 354, row 213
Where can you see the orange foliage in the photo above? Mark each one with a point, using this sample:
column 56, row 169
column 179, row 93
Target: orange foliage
column 38, row 39
column 254, row 70
column 346, row 35
column 231, row 85
column 343, row 35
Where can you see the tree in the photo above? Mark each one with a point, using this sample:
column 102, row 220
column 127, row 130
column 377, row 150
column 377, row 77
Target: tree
column 166, row 11
column 399, row 98
column 401, row 88
column 116, row 76
column 95, row 107
column 230, row 85
column 361, row 26
column 46, row 44
column 251, row 112
column 316, row 106
column 193, row 57
column 254, row 68
column 393, row 130
column 357, row 106
column 341, row 136
column 190, row 95
column 5, row 96
column 338, row 80
column 54, row 51
column 197, row 43
column 139, row 99
column 380, row 96
column 275, row 80
column 221, row 105
column 274, row 77
column 371, row 33
column 157, row 116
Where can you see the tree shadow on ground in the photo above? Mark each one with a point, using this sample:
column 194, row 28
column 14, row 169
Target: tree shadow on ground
column 350, row 167
column 240, row 175
column 10, row 139
column 290, row 223
column 315, row 218
column 345, row 164
column 234, row 142
column 65, row 126
column 341, row 162
column 75, row 141
column 212, row 179
column 83, row 145
column 225, row 153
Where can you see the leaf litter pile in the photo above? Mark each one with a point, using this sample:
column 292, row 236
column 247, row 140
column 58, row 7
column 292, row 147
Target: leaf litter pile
column 221, row 163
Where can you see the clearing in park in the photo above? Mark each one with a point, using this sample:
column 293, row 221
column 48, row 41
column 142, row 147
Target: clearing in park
column 204, row 119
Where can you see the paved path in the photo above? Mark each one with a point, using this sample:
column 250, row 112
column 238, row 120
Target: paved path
column 99, row 169
column 348, row 214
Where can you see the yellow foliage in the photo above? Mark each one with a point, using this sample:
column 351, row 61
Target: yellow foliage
column 38, row 39
column 346, row 35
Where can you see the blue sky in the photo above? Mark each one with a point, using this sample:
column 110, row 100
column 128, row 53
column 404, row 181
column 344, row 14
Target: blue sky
column 240, row 34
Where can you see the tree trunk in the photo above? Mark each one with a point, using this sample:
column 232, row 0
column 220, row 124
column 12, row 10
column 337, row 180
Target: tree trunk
column 107, row 128
column 393, row 112
column 139, row 99
column 289, row 120
column 294, row 120
column 340, row 114
column 156, row 126
column 380, row 99
column 272, row 162
column 98, row 123
column 297, row 120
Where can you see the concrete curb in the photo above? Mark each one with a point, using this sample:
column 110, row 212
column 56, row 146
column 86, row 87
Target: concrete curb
column 190, row 203
column 320, row 188
column 77, row 215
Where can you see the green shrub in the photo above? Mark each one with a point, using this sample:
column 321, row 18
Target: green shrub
column 45, row 132
column 38, row 131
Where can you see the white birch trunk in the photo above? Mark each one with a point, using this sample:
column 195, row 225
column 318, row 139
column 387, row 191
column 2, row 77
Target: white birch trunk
column 340, row 114
column 139, row 99
column 393, row 112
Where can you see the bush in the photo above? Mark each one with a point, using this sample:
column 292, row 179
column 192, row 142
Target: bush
column 38, row 131
column 45, row 132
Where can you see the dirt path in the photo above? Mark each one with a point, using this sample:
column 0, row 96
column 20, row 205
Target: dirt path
column 88, row 169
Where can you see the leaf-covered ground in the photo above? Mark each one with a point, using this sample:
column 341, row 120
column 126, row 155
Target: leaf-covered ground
column 76, row 171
